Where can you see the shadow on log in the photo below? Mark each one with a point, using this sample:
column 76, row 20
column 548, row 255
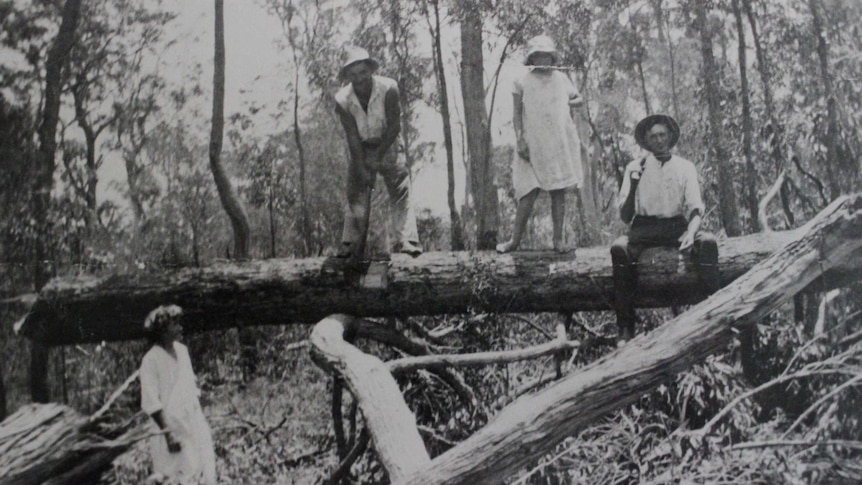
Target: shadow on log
column 533, row 425
column 278, row 292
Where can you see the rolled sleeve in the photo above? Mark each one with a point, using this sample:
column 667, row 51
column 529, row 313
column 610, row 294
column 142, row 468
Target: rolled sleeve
column 693, row 199
column 150, row 402
column 627, row 183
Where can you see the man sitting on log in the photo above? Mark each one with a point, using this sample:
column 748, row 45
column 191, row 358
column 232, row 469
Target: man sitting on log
column 660, row 200
column 370, row 112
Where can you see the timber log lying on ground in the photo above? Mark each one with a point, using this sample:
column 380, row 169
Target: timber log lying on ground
column 54, row 444
column 284, row 291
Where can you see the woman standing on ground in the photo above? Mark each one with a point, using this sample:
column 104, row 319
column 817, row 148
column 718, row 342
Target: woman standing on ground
column 169, row 394
column 549, row 156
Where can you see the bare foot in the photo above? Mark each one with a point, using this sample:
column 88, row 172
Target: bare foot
column 507, row 247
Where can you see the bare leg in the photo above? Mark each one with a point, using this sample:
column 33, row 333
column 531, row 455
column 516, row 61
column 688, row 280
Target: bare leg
column 522, row 215
column 558, row 217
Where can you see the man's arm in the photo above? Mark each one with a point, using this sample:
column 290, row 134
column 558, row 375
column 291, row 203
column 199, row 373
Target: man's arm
column 392, row 108
column 694, row 206
column 687, row 239
column 631, row 179
column 354, row 143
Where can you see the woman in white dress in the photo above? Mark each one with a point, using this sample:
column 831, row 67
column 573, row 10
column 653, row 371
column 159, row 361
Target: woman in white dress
column 549, row 148
column 183, row 453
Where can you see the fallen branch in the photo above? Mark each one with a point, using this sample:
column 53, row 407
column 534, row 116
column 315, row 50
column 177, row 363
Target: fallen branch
column 398, row 366
column 348, row 461
column 856, row 445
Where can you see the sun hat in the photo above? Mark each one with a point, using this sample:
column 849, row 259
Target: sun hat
column 158, row 319
column 353, row 54
column 645, row 124
column 541, row 44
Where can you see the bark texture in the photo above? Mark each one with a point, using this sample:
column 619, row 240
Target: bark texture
column 281, row 291
column 53, row 444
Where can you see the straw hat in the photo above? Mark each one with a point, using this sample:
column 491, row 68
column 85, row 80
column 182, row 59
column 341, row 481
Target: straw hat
column 353, row 54
column 645, row 124
column 541, row 44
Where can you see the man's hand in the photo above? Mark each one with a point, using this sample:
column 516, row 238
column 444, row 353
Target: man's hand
column 523, row 149
column 173, row 445
column 635, row 176
column 686, row 241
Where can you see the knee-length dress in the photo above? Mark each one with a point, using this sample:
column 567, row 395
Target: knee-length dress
column 168, row 385
column 550, row 133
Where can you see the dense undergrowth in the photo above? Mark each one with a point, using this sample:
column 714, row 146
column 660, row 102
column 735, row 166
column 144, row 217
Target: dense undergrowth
column 781, row 405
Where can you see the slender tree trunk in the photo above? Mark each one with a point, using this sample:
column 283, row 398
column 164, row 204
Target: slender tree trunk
column 482, row 190
column 775, row 133
column 717, row 154
column 456, row 236
column 671, row 56
column 833, row 160
column 270, row 207
column 750, row 171
column 58, row 58
column 229, row 199
column 300, row 149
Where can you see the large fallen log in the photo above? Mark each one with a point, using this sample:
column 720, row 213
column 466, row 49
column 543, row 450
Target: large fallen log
column 54, row 444
column 275, row 292
column 533, row 425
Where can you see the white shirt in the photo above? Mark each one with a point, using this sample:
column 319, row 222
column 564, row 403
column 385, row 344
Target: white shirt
column 668, row 189
column 371, row 123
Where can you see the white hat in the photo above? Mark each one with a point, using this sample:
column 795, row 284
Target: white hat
column 541, row 44
column 353, row 54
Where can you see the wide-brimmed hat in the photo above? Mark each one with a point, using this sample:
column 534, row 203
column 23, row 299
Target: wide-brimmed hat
column 353, row 54
column 158, row 319
column 645, row 124
column 541, row 43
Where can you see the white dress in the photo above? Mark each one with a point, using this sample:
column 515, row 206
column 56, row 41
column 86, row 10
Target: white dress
column 550, row 133
column 168, row 384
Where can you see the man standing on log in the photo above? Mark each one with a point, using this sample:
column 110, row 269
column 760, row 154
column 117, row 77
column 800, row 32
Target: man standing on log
column 370, row 112
column 660, row 200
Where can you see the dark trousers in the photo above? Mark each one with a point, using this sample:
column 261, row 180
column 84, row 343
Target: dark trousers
column 647, row 232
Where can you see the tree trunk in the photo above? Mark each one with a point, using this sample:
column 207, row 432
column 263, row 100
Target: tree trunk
column 58, row 58
column 392, row 425
column 531, row 426
column 456, row 235
column 229, row 200
column 282, row 291
column 833, row 159
column 482, row 190
column 62, row 447
column 750, row 171
column 717, row 157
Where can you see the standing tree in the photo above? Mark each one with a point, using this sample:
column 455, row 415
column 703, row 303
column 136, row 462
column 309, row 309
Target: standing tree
column 750, row 171
column 717, row 157
column 456, row 233
column 481, row 186
column 229, row 200
column 43, row 181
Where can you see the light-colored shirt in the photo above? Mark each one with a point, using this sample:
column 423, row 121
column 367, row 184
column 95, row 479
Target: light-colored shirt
column 668, row 189
column 370, row 122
